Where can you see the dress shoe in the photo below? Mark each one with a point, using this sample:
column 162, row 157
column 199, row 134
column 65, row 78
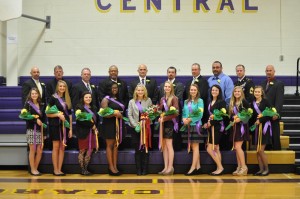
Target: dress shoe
column 35, row 174
column 236, row 171
column 217, row 174
column 59, row 174
column 194, row 172
column 113, row 174
column 199, row 171
column 265, row 173
column 161, row 173
column 257, row 173
column 243, row 171
column 169, row 173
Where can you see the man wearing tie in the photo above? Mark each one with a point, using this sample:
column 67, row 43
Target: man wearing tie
column 84, row 85
column 34, row 82
column 274, row 90
column 149, row 83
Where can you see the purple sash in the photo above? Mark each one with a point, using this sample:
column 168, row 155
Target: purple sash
column 62, row 103
column 34, row 127
column 221, row 122
column 198, row 125
column 90, row 133
column 174, row 120
column 235, row 110
column 137, row 103
column 267, row 124
column 120, row 120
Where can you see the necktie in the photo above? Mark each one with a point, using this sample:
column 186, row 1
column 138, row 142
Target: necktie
column 193, row 80
column 38, row 84
column 88, row 87
column 143, row 81
column 267, row 86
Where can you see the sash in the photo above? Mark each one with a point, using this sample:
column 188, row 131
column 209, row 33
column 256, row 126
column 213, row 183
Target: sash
column 35, row 126
column 91, row 131
column 119, row 128
column 267, row 124
column 145, row 134
column 221, row 122
column 174, row 119
column 63, row 104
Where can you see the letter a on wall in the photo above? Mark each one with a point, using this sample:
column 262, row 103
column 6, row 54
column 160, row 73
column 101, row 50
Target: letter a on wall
column 10, row 9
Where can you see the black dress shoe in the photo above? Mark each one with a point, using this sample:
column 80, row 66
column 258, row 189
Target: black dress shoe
column 264, row 174
column 199, row 171
column 194, row 172
column 257, row 173
column 59, row 174
column 113, row 174
column 35, row 174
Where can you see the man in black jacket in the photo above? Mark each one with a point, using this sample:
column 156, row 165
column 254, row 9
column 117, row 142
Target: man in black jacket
column 34, row 82
column 245, row 82
column 150, row 84
column 274, row 90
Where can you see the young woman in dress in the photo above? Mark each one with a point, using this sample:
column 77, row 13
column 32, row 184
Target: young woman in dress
column 193, row 104
column 264, row 137
column 61, row 98
column 167, row 124
column 34, row 129
column 215, row 128
column 86, row 132
column 110, row 128
column 240, row 131
column 136, row 106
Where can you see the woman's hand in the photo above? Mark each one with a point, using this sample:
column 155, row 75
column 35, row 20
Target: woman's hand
column 257, row 122
column 70, row 133
column 61, row 116
column 161, row 119
column 39, row 122
column 186, row 121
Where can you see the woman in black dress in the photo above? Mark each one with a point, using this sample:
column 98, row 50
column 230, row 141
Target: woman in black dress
column 263, row 124
column 58, row 132
column 215, row 128
column 34, row 129
column 86, row 131
column 240, row 131
column 111, row 133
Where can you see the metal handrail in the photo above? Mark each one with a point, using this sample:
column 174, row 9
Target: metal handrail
column 297, row 76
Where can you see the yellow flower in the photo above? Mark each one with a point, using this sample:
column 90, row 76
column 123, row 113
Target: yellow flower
column 271, row 83
column 274, row 110
column 219, row 81
column 172, row 108
column 78, row 112
column 24, row 110
column 101, row 110
column 250, row 110
column 47, row 108
column 200, row 109
column 223, row 110
column 147, row 80
column 92, row 86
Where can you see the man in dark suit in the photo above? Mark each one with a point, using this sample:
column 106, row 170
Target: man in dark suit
column 34, row 82
column 203, row 87
column 274, row 90
column 150, row 84
column 178, row 91
column 245, row 82
column 104, row 87
column 84, row 85
column 51, row 85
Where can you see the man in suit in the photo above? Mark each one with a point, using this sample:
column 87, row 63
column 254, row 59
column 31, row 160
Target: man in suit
column 202, row 85
column 84, row 85
column 51, row 85
column 178, row 91
column 104, row 87
column 34, row 82
column 245, row 82
column 274, row 90
column 150, row 84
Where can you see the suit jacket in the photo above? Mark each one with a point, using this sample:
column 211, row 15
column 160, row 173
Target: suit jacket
column 248, row 87
column 274, row 93
column 104, row 89
column 51, row 86
column 77, row 91
column 133, row 111
column 178, row 91
column 83, row 127
column 28, row 85
column 151, row 87
column 203, row 87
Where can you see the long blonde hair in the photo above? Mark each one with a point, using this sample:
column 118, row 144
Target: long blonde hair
column 170, row 98
column 234, row 101
column 135, row 96
column 66, row 94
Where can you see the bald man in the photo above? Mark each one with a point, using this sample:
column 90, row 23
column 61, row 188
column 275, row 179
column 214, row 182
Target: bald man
column 149, row 83
column 34, row 82
column 274, row 90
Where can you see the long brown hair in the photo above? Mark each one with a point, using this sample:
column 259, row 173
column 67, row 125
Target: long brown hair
column 39, row 99
column 197, row 96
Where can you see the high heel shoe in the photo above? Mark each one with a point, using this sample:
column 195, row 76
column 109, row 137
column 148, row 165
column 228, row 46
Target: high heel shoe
column 265, row 173
column 257, row 173
column 169, row 173
column 161, row 172
column 113, row 174
column 243, row 171
column 194, row 172
column 236, row 171
column 217, row 174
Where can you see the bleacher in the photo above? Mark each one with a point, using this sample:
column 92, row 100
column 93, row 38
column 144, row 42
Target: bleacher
column 13, row 147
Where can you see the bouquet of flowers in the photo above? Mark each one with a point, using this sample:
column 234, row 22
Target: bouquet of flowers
column 83, row 116
column 268, row 112
column 195, row 113
column 152, row 112
column 171, row 111
column 244, row 116
column 104, row 112
column 219, row 114
column 25, row 115
column 53, row 110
